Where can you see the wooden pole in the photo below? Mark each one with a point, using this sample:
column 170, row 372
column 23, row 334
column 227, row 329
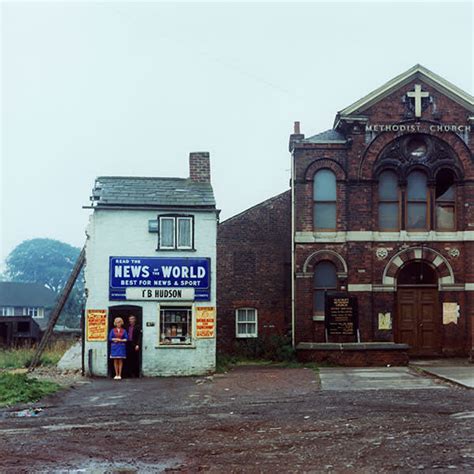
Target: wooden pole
column 58, row 308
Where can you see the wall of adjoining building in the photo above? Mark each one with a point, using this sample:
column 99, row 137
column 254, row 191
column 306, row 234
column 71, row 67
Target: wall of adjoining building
column 254, row 271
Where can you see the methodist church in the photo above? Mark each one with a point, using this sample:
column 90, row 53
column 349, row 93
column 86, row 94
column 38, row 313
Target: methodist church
column 369, row 258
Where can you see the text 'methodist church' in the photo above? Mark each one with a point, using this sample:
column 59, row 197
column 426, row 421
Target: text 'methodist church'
column 380, row 216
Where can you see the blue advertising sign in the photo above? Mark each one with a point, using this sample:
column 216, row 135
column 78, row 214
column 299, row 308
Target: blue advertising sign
column 159, row 272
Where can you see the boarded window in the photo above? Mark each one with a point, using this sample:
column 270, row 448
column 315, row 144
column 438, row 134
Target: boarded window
column 325, row 278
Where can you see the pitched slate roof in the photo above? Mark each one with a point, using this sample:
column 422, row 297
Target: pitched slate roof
column 120, row 191
column 26, row 294
column 329, row 136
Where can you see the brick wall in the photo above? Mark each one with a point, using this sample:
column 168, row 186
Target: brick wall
column 353, row 164
column 254, row 269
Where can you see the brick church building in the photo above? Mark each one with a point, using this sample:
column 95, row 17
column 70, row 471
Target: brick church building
column 382, row 211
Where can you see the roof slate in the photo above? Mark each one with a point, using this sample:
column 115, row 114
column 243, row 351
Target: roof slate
column 328, row 136
column 151, row 192
column 26, row 294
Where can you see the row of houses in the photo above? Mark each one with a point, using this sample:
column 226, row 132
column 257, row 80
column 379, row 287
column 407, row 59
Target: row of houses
column 367, row 259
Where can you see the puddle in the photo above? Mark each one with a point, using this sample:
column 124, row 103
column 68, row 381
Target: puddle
column 105, row 467
column 463, row 415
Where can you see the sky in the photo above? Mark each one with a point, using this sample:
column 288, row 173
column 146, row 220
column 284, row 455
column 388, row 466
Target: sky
column 130, row 89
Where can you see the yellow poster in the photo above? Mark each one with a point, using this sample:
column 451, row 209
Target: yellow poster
column 205, row 321
column 385, row 321
column 96, row 325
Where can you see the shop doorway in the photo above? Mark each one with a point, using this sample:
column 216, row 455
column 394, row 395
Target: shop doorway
column 133, row 364
column 418, row 319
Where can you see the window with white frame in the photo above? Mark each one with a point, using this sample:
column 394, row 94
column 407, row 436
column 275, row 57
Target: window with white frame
column 246, row 322
column 7, row 311
column 175, row 232
column 35, row 312
column 175, row 325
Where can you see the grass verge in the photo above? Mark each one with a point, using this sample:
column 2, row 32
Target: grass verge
column 225, row 363
column 18, row 388
column 17, row 358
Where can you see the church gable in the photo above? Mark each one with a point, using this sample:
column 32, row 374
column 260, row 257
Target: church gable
column 411, row 95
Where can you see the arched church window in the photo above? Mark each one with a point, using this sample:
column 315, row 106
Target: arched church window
column 324, row 195
column 445, row 198
column 417, row 201
column 389, row 202
column 325, row 278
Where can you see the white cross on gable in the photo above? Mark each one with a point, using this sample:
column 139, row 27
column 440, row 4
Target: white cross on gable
column 417, row 94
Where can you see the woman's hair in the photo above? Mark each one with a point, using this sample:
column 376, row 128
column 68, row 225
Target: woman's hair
column 116, row 320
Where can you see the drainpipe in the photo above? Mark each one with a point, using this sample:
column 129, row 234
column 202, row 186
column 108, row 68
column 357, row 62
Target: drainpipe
column 295, row 137
column 293, row 268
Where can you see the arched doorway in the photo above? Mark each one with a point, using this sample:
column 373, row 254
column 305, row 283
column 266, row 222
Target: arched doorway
column 418, row 319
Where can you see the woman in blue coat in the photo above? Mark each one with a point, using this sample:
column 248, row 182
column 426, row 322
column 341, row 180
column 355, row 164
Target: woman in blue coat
column 118, row 348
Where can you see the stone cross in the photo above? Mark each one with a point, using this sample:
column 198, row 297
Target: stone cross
column 417, row 94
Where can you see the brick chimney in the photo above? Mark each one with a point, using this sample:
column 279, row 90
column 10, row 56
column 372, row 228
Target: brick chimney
column 199, row 167
column 296, row 136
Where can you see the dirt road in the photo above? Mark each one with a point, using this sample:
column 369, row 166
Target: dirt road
column 249, row 420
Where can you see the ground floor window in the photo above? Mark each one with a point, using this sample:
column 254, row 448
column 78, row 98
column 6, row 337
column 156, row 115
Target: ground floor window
column 175, row 325
column 246, row 322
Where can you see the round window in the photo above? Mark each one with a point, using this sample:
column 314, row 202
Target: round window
column 417, row 147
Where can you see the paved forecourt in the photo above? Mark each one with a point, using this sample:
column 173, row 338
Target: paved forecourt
column 378, row 378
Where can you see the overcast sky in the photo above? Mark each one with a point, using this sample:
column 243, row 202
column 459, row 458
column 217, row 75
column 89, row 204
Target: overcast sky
column 91, row 89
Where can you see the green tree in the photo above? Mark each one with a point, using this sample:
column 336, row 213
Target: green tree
column 48, row 262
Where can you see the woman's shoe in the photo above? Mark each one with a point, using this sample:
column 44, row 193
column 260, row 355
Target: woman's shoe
column 117, row 377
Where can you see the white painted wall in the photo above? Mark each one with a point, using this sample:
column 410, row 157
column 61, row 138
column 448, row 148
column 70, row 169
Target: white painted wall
column 125, row 233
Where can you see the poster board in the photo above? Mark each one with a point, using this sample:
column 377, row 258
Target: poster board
column 205, row 322
column 96, row 325
column 341, row 316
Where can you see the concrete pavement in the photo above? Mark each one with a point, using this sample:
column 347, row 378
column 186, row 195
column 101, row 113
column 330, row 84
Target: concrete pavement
column 375, row 378
column 458, row 371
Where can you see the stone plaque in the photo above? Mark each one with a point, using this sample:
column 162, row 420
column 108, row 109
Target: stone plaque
column 341, row 315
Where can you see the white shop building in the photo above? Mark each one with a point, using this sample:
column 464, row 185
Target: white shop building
column 151, row 253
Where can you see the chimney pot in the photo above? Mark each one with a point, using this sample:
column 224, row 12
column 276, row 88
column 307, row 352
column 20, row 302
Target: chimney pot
column 297, row 128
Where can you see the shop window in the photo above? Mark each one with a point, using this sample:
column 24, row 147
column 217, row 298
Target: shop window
column 389, row 205
column 324, row 195
column 325, row 279
column 417, row 201
column 175, row 325
column 175, row 232
column 246, row 322
column 445, row 193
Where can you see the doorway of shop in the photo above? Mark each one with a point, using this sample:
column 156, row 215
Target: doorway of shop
column 133, row 363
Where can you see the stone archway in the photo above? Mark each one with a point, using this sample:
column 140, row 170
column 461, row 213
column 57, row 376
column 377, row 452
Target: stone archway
column 418, row 316
column 432, row 257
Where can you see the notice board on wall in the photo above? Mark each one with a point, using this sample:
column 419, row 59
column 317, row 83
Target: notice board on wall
column 205, row 321
column 96, row 325
column 341, row 316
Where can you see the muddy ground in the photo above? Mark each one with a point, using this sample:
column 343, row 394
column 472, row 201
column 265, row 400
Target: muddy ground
column 250, row 420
